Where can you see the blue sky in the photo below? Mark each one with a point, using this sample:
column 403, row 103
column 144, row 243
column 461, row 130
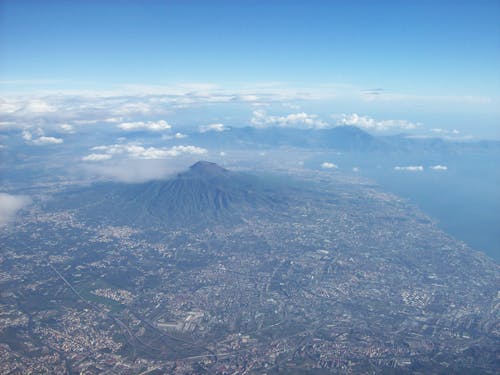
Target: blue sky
column 434, row 61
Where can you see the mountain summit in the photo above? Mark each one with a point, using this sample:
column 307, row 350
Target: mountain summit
column 205, row 193
column 207, row 168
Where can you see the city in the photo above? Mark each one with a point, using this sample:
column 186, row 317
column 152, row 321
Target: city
column 348, row 278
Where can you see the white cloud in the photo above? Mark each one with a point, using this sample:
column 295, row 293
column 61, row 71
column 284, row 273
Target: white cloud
column 42, row 139
column 261, row 119
column 49, row 108
column 26, row 106
column 222, row 153
column 7, row 106
column 132, row 108
column 67, row 128
column 47, row 141
column 445, row 131
column 260, row 104
column 136, row 170
column 160, row 153
column 328, row 165
column 439, row 167
column 97, row 157
column 355, row 169
column 108, row 120
column 248, row 98
column 154, row 126
column 180, row 136
column 38, row 106
column 167, row 137
column 137, row 151
column 10, row 204
column 4, row 125
column 212, row 128
column 410, row 168
column 55, row 105
column 27, row 136
column 366, row 122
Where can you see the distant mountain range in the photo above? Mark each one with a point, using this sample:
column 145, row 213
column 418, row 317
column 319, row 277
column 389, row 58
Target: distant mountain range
column 342, row 138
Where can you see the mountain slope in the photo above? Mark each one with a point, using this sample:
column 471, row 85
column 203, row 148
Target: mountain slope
column 204, row 193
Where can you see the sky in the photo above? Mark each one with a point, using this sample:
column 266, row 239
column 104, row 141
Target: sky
column 430, row 63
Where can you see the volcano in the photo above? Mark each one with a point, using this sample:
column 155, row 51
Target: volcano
column 204, row 194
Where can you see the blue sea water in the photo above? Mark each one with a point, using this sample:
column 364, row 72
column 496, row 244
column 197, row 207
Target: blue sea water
column 464, row 199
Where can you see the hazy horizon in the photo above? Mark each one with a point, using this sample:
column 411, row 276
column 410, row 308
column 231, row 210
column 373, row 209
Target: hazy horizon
column 428, row 68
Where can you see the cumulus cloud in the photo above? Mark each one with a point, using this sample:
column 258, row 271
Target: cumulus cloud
column 108, row 120
column 132, row 108
column 97, row 157
column 261, row 119
column 137, row 151
column 248, row 98
column 41, row 140
column 91, row 106
column 67, row 128
column 328, row 165
column 439, row 167
column 26, row 106
column 38, row 106
column 47, row 141
column 8, row 106
column 368, row 123
column 410, row 168
column 212, row 128
column 10, row 205
column 27, row 136
column 154, row 126
column 175, row 136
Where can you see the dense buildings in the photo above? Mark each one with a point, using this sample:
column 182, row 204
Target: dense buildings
column 319, row 273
